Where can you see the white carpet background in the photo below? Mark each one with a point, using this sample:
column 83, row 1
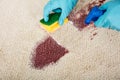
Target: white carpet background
column 97, row 59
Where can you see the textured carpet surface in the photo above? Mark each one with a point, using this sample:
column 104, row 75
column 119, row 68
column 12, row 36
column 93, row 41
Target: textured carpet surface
column 94, row 53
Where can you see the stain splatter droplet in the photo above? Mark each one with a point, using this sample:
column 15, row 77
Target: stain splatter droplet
column 95, row 34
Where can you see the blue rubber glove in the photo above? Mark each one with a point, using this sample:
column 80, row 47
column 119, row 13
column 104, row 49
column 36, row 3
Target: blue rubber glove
column 111, row 18
column 63, row 6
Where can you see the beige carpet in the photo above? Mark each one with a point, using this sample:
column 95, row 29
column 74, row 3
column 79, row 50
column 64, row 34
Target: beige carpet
column 90, row 57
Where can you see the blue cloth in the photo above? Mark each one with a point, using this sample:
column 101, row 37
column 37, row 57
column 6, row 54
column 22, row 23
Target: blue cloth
column 63, row 6
column 111, row 18
column 94, row 14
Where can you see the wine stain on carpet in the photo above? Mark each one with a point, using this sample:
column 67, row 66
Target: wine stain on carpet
column 47, row 52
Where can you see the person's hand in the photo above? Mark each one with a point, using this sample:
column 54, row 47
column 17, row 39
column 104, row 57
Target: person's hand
column 63, row 6
column 111, row 18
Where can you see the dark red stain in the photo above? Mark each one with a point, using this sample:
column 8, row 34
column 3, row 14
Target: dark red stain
column 48, row 52
column 95, row 34
column 91, row 38
column 79, row 21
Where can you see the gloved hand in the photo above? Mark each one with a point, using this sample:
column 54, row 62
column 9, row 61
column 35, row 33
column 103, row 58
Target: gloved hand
column 111, row 18
column 63, row 6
